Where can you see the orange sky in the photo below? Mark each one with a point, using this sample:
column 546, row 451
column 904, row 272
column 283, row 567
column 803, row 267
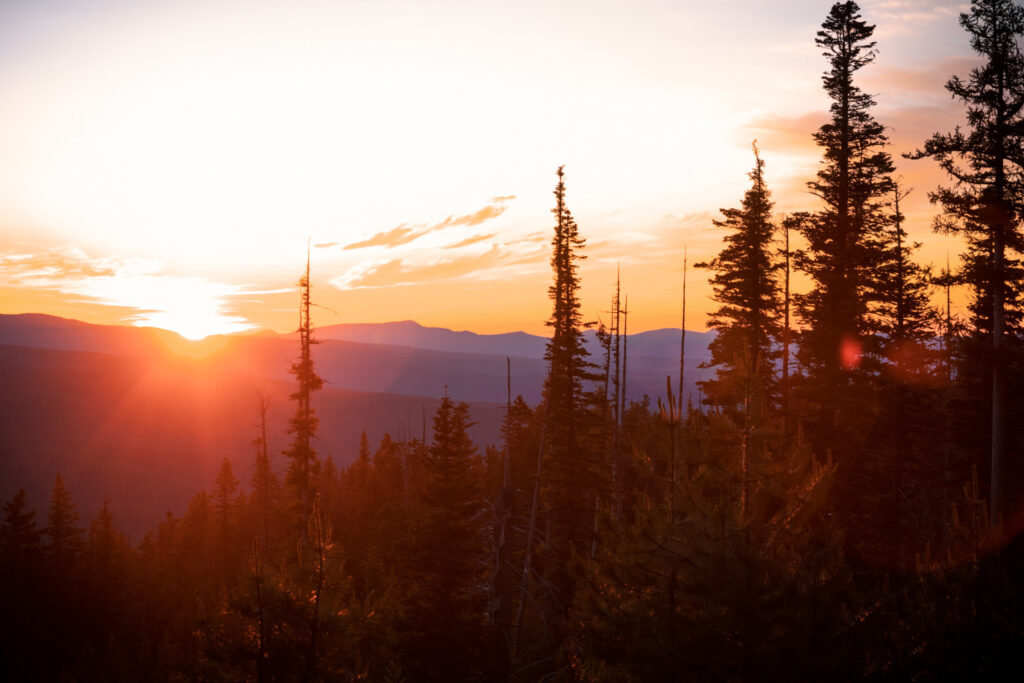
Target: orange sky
column 166, row 163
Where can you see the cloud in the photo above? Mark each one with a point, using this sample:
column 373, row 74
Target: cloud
column 399, row 272
column 405, row 233
column 391, row 238
column 325, row 245
column 470, row 240
column 912, row 11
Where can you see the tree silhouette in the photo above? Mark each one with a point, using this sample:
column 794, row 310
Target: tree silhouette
column 303, row 424
column 746, row 322
column 986, row 201
column 447, row 601
column 844, row 243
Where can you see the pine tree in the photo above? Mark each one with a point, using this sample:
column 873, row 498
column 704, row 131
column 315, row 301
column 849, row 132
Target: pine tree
column 724, row 585
column 568, row 471
column 746, row 323
column 65, row 537
column 303, row 425
column 20, row 545
column 106, row 560
column 448, row 608
column 844, row 249
column 21, row 557
column 265, row 486
column 226, row 505
column 986, row 201
column 902, row 312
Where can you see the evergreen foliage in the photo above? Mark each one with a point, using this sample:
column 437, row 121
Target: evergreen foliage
column 985, row 203
column 845, row 240
column 747, row 320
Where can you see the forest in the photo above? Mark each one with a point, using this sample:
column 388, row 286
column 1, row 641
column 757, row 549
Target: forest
column 842, row 501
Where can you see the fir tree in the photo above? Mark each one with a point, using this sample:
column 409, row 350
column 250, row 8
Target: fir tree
column 746, row 323
column 902, row 312
column 65, row 537
column 303, row 424
column 568, row 471
column 447, row 603
column 21, row 557
column 843, row 245
column 986, row 201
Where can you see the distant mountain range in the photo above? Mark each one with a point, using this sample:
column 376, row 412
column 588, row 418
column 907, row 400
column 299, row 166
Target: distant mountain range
column 144, row 417
column 663, row 343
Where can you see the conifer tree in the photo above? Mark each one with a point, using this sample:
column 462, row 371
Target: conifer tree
column 303, row 424
column 901, row 310
column 568, row 471
column 20, row 542
column 844, row 249
column 985, row 203
column 746, row 323
column 21, row 557
column 226, row 506
column 715, row 587
column 265, row 485
column 448, row 602
column 65, row 537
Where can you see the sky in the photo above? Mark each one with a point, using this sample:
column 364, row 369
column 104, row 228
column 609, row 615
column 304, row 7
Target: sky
column 168, row 163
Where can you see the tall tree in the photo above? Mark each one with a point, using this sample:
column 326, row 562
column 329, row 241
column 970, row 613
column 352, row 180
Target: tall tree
column 843, row 250
column 985, row 202
column 569, row 472
column 746, row 323
column 448, row 600
column 304, row 422
column 23, row 616
column 265, row 483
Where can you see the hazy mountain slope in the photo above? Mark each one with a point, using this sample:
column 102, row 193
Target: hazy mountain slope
column 409, row 333
column 121, row 413
column 150, row 434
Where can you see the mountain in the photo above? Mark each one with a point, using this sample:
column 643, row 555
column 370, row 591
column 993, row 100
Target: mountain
column 145, row 417
column 409, row 333
column 662, row 343
column 149, row 434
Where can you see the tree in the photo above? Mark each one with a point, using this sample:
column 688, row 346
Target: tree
column 266, row 487
column 65, row 536
column 902, row 312
column 304, row 422
column 447, row 609
column 569, row 490
column 843, row 245
column 226, row 506
column 746, row 323
column 715, row 587
column 24, row 617
column 986, row 200
column 20, row 544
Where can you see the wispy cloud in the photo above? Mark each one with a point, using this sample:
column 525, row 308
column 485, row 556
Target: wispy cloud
column 470, row 241
column 482, row 265
column 325, row 245
column 913, row 11
column 399, row 272
column 406, row 233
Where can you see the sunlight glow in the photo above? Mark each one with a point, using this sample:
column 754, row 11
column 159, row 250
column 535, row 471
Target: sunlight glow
column 192, row 307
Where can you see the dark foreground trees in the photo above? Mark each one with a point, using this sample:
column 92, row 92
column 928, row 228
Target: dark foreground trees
column 985, row 202
column 843, row 542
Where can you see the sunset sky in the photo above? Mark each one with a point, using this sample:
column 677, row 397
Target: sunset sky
column 165, row 163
